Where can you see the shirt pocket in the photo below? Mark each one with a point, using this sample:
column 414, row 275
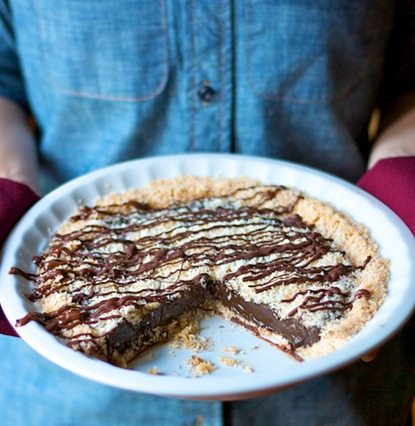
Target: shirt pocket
column 313, row 52
column 111, row 50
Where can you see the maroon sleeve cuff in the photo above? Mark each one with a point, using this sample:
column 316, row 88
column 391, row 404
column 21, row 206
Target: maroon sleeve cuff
column 15, row 199
column 393, row 182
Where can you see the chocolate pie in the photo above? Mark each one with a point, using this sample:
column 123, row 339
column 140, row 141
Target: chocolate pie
column 122, row 275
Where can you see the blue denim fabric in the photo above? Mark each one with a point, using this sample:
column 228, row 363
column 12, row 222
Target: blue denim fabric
column 113, row 80
column 35, row 392
column 378, row 393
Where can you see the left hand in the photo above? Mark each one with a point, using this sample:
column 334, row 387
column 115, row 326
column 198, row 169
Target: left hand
column 370, row 356
column 391, row 148
column 397, row 131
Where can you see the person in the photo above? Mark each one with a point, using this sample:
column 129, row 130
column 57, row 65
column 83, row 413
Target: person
column 106, row 81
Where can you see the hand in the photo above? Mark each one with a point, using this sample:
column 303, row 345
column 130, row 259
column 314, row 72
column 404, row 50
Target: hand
column 370, row 356
column 21, row 176
column 18, row 158
column 396, row 137
column 391, row 148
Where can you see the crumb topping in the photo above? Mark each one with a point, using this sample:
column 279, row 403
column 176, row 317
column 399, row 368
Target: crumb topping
column 298, row 272
column 200, row 366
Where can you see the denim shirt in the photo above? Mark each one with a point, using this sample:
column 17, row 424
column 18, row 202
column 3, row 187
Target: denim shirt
column 111, row 80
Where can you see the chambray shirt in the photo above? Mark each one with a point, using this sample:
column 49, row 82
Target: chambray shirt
column 111, row 80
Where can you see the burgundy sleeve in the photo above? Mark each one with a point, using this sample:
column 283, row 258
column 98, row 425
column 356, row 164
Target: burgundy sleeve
column 15, row 199
column 393, row 182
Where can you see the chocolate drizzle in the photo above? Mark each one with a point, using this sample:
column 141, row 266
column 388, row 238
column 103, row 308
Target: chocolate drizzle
column 160, row 263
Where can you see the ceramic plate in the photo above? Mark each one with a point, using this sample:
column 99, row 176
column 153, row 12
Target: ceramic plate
column 271, row 369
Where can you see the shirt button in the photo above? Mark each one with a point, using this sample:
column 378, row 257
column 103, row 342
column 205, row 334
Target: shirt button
column 206, row 92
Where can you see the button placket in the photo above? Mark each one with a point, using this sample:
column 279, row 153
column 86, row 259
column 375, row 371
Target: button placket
column 211, row 23
column 206, row 92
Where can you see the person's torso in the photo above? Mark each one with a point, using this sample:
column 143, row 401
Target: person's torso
column 115, row 80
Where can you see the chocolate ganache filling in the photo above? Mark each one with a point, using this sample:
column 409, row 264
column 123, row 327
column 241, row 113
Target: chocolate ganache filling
column 127, row 269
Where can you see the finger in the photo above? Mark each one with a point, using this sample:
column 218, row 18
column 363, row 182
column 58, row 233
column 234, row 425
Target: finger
column 370, row 356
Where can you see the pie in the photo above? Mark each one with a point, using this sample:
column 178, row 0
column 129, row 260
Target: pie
column 125, row 274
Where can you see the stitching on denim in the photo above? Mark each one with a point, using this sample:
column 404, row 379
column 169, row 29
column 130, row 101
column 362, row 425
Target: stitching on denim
column 193, row 76
column 282, row 98
column 157, row 91
column 222, row 69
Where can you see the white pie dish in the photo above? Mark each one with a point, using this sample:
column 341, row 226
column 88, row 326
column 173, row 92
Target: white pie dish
column 271, row 369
